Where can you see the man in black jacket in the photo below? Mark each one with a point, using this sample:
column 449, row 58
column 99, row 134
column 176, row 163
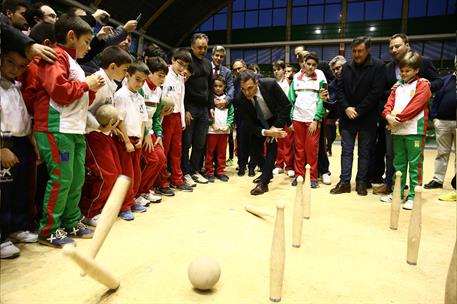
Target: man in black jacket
column 360, row 90
column 265, row 110
column 198, row 100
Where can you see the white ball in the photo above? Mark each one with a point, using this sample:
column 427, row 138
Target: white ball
column 204, row 272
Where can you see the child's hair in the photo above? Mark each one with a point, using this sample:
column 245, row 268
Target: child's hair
column 105, row 113
column 182, row 54
column 311, row 55
column 67, row 23
column 42, row 31
column 411, row 59
column 138, row 66
column 153, row 50
column 114, row 54
column 156, row 64
column 290, row 66
column 279, row 64
column 220, row 78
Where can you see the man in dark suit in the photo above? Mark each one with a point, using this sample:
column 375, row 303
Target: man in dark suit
column 360, row 90
column 265, row 110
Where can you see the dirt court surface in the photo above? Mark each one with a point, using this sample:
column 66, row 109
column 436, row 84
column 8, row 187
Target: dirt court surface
column 348, row 252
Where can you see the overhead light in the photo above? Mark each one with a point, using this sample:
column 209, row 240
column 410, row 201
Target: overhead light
column 372, row 28
column 317, row 31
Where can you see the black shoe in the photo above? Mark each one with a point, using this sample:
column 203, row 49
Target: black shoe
column 361, row 189
column 251, row 172
column 241, row 172
column 257, row 180
column 369, row 185
column 259, row 189
column 183, row 187
column 341, row 187
column 166, row 191
column 433, row 184
column 222, row 177
column 294, row 183
column 210, row 178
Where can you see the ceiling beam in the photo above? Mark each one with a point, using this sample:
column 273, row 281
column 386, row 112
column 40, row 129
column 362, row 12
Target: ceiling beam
column 157, row 13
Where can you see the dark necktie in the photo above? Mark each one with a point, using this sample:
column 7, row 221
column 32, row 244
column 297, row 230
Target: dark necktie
column 259, row 113
column 216, row 71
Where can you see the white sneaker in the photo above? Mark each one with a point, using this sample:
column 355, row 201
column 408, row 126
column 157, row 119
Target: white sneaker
column 408, row 205
column 8, row 250
column 189, row 181
column 386, row 198
column 199, row 178
column 142, row 201
column 291, row 173
column 326, row 180
column 91, row 221
column 277, row 171
column 23, row 237
column 152, row 197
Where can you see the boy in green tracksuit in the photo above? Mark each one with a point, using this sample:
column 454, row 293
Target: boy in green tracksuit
column 406, row 111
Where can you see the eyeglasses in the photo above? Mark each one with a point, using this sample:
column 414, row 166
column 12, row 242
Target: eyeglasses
column 53, row 16
column 237, row 69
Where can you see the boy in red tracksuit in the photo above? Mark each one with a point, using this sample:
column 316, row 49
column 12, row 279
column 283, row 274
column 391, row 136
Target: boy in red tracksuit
column 62, row 100
column 133, row 116
column 102, row 159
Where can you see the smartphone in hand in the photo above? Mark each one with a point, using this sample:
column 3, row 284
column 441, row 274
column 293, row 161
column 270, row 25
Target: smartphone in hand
column 138, row 18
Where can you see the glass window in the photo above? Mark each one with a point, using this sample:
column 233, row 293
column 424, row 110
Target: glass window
column 418, row 9
column 417, row 47
column 220, row 22
column 299, row 15
column 373, row 10
column 392, row 9
column 236, row 54
column 280, row 3
column 332, row 13
column 451, row 7
column 449, row 50
column 265, row 17
column 432, row 49
column 355, row 11
column 207, row 26
column 252, row 4
column 385, row 55
column 264, row 56
column 250, row 56
column 436, row 8
column 252, row 19
column 316, row 49
column 277, row 54
column 238, row 20
column 279, row 16
column 329, row 52
column 238, row 5
column 375, row 50
column 299, row 2
column 316, row 1
column 316, row 14
column 266, row 4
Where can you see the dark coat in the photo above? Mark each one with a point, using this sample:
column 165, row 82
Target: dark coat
column 362, row 88
column 276, row 101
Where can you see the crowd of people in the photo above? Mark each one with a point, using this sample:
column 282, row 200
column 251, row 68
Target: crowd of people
column 78, row 110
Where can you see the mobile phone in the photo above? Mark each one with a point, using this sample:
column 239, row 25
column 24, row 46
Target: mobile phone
column 324, row 86
column 138, row 18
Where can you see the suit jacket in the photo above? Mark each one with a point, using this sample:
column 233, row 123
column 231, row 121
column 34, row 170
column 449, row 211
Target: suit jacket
column 276, row 101
column 229, row 88
column 361, row 87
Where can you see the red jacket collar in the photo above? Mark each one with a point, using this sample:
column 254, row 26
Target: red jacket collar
column 151, row 85
column 302, row 74
column 70, row 51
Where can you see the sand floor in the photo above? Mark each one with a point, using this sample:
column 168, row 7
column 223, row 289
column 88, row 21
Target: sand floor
column 348, row 253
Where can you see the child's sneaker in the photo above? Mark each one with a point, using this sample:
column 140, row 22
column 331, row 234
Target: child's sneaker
column 291, row 173
column 408, row 205
column 386, row 198
column 138, row 208
column 141, row 201
column 183, row 187
column 152, row 198
column 8, row 250
column 222, row 177
column 91, row 221
column 58, row 239
column 210, row 178
column 80, row 231
column 314, row 184
column 23, row 237
column 277, row 171
column 229, row 162
column 326, row 179
column 166, row 191
column 189, row 181
column 127, row 215
column 197, row 177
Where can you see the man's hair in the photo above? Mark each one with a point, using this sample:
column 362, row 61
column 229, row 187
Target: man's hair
column 290, row 66
column 157, row 64
column 153, row 50
column 301, row 55
column 247, row 75
column 218, row 48
column 182, row 54
column 35, row 11
column 42, row 31
column 336, row 59
column 13, row 5
column 240, row 60
column 361, row 39
column 313, row 56
column 412, row 60
column 114, row 54
column 198, row 36
column 400, row 35
column 138, row 66
column 220, row 78
column 67, row 23
column 279, row 64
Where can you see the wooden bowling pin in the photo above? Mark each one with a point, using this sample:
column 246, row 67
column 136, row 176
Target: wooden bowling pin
column 414, row 230
column 297, row 223
column 307, row 194
column 396, row 202
column 258, row 211
column 277, row 255
column 450, row 294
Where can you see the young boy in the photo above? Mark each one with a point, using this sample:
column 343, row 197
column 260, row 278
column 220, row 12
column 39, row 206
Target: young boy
column 62, row 100
column 153, row 160
column 307, row 112
column 174, row 124
column 102, row 159
column 17, row 158
column 133, row 117
column 406, row 111
column 285, row 145
column 218, row 133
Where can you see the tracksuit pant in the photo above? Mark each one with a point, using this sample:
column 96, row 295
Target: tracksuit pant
column 152, row 164
column 65, row 155
column 216, row 144
column 306, row 148
column 286, row 151
column 172, row 145
column 409, row 151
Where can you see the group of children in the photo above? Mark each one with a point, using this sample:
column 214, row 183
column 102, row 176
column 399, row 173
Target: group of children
column 88, row 131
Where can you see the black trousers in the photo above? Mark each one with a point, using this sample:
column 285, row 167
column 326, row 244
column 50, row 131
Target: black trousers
column 194, row 136
column 267, row 162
